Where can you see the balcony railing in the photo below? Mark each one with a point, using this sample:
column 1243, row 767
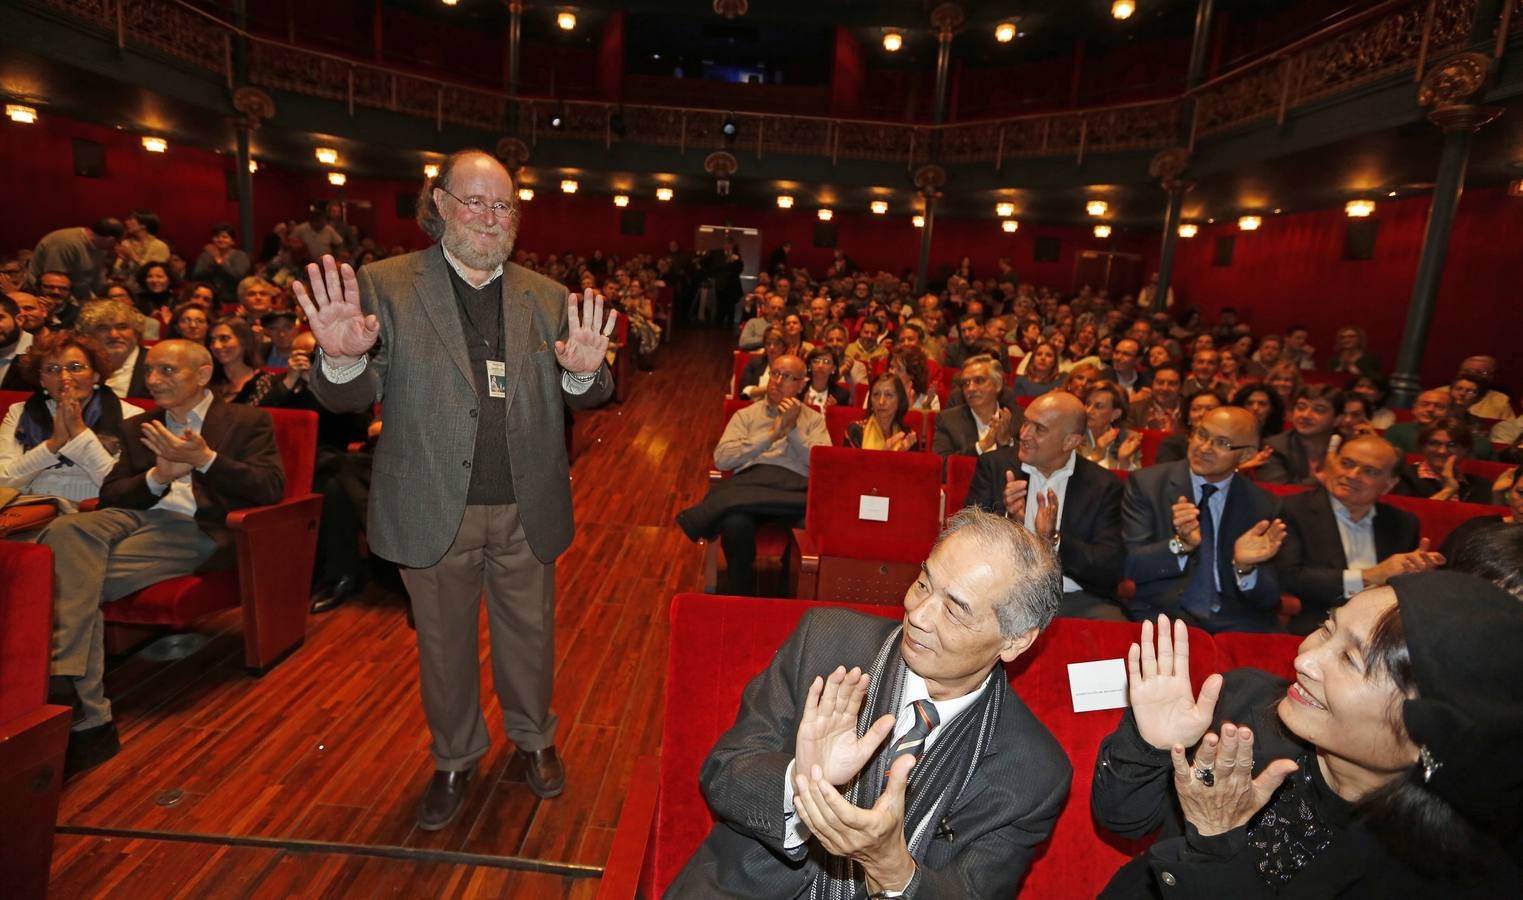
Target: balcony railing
column 1382, row 41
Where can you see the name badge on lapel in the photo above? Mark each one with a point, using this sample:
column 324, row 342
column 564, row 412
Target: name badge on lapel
column 497, row 378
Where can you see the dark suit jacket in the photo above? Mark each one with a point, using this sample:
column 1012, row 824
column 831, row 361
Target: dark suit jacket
column 752, row 373
column 1473, row 488
column 1289, row 464
column 1147, row 524
column 138, row 386
column 1006, row 810
column 957, row 434
column 421, row 371
column 1090, row 520
column 247, row 471
column 1311, row 561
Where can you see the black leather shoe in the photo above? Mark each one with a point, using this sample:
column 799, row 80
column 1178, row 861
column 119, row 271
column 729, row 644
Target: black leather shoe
column 334, row 595
column 443, row 799
column 545, row 773
column 89, row 747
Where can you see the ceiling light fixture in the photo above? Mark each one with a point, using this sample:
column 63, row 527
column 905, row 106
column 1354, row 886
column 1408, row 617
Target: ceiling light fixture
column 26, row 115
column 918, row 221
column 1123, row 9
column 337, row 179
column 430, row 170
column 784, row 201
column 449, row 2
column 526, row 194
column 663, row 194
column 1188, row 230
column 1004, row 32
column 569, row 186
column 557, row 120
column 566, row 20
column 1004, row 210
column 621, row 200
column 155, row 145
column 1096, row 207
column 1391, row 194
column 1010, row 226
column 1102, row 231
column 253, row 166
column 879, row 207
column 327, row 155
column 1359, row 209
column 1250, row 223
column 892, row 41
column 729, row 129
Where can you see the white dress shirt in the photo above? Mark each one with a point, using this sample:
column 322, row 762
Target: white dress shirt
column 1358, row 537
column 121, row 379
column 177, row 496
column 1218, row 504
column 1037, row 483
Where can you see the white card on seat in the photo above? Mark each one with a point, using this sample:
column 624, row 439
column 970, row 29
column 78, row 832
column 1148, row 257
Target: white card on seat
column 1098, row 685
column 872, row 509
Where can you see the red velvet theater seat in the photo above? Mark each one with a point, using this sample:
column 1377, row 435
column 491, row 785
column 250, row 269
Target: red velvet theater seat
column 720, row 643
column 33, row 734
column 1440, row 517
column 772, row 539
column 272, row 582
column 845, row 557
column 959, row 479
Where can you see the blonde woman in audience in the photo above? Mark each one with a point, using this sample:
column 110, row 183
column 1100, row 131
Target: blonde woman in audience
column 63, row 440
column 1080, row 379
column 883, row 427
column 1284, row 379
column 1106, row 442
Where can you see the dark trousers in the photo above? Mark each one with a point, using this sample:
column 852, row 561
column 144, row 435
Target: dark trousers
column 1084, row 605
column 344, row 481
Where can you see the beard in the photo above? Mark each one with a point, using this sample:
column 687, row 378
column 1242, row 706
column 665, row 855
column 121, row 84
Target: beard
column 457, row 240
column 11, row 335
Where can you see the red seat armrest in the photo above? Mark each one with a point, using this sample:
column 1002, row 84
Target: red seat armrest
column 277, row 546
column 631, row 838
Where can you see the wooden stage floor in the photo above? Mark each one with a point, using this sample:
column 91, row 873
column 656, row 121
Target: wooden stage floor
column 304, row 783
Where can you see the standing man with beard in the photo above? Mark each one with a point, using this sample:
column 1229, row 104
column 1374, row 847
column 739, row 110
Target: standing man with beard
column 475, row 358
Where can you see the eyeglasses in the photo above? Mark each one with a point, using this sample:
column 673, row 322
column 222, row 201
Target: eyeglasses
column 1444, row 445
column 477, row 206
column 786, row 376
column 73, row 368
column 973, row 380
column 1220, row 443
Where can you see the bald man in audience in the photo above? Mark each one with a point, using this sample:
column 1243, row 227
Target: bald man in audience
column 183, row 468
column 1043, row 483
column 118, row 328
column 1199, row 538
column 1340, row 539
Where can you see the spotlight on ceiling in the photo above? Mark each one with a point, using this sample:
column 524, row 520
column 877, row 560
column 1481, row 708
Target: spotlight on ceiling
column 566, row 20
column 621, row 200
column 1102, row 231
column 892, row 41
column 1010, row 226
column 1004, row 210
column 729, row 129
column 558, row 120
column 784, row 201
column 663, row 194
column 327, row 155
column 826, row 215
column 1250, row 223
column 1188, row 230
column 155, row 145
column 253, row 166
column 430, row 170
column 26, row 115
column 526, row 194
column 879, row 207
column 569, row 186
column 337, row 179
column 1123, row 9
column 1004, row 32
column 1096, row 207
column 918, row 221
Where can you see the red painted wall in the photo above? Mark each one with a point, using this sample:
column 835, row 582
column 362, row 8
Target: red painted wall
column 847, row 70
column 1292, row 270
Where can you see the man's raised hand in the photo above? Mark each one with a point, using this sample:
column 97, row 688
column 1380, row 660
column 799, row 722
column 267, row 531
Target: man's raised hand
column 333, row 312
column 581, row 353
column 827, row 735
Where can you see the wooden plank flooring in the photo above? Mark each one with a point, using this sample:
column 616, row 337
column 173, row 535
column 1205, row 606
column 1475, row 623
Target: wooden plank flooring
column 331, row 745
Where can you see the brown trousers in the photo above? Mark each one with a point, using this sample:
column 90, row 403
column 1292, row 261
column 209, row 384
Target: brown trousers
column 491, row 554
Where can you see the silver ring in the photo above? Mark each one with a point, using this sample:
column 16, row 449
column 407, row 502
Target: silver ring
column 1205, row 775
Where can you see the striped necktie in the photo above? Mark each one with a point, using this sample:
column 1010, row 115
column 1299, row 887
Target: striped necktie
column 926, row 718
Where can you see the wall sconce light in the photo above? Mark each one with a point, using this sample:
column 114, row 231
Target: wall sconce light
column 1123, row 9
column 337, row 179
column 253, row 166
column 1102, row 231
column 569, row 186
column 26, row 115
column 1004, row 32
column 663, row 194
column 1096, row 207
column 1188, row 230
column 621, row 200
column 918, row 221
column 1010, row 226
column 892, row 41
column 879, row 207
column 566, row 20
column 155, row 145
column 1250, row 223
column 826, row 215
column 1004, row 210
column 526, row 194
column 327, row 155
column 430, row 170
column 1359, row 209
column 784, row 201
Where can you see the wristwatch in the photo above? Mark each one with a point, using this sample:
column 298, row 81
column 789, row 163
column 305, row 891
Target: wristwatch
column 1242, row 571
column 1177, row 546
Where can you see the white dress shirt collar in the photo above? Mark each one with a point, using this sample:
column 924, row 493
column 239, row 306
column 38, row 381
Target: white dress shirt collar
column 455, row 264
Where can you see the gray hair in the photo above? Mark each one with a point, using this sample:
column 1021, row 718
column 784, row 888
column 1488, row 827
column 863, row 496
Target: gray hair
column 1035, row 593
column 251, row 281
column 995, row 369
column 428, row 215
column 101, row 312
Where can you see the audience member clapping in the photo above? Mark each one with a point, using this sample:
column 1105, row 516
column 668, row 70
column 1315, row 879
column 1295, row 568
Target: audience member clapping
column 1107, row 443
column 1437, row 475
column 883, row 428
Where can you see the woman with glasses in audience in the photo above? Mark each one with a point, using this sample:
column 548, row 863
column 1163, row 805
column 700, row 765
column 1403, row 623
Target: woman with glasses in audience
column 1041, row 372
column 1107, row 442
column 824, row 387
column 909, row 365
column 236, row 376
column 190, row 321
column 63, row 440
column 1443, row 443
column 883, row 427
column 1384, row 767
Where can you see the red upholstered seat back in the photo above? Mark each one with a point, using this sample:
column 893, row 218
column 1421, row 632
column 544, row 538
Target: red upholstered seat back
column 959, row 479
column 924, row 426
column 1282, row 490
column 1439, row 517
column 836, row 420
column 742, row 358
column 1152, row 439
column 296, row 435
column 840, row 477
column 11, row 398
column 1271, row 652
column 26, row 626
